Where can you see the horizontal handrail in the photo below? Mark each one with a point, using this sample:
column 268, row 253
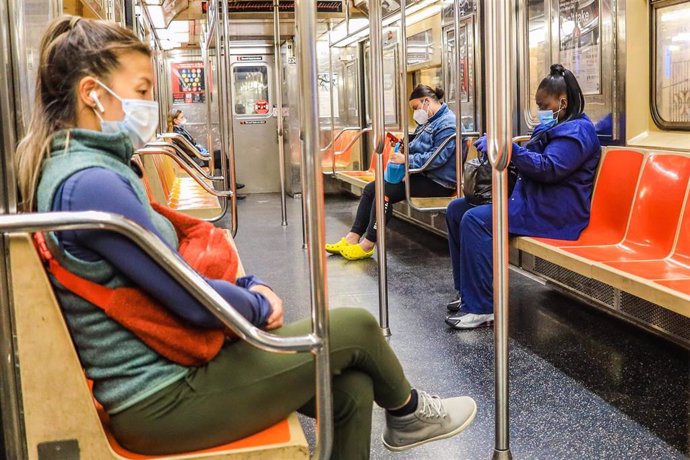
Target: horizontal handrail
column 170, row 262
column 519, row 139
column 352, row 141
column 188, row 145
column 337, row 136
column 192, row 174
column 434, row 155
column 185, row 157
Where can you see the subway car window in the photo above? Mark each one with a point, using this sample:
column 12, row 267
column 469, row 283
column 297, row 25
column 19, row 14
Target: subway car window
column 672, row 65
column 251, row 90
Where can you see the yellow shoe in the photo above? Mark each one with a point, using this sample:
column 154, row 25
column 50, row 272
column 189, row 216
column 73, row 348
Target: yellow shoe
column 355, row 252
column 335, row 248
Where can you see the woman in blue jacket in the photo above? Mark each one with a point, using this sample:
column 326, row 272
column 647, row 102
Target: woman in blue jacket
column 435, row 123
column 551, row 199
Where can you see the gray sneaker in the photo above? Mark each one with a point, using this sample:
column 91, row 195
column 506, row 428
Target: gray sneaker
column 434, row 419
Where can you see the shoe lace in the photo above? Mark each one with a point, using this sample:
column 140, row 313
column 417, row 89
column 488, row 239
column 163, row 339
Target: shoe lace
column 432, row 406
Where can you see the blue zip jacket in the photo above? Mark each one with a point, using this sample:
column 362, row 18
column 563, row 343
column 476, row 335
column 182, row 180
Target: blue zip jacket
column 427, row 138
column 553, row 194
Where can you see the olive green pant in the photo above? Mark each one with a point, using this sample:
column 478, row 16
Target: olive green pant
column 244, row 390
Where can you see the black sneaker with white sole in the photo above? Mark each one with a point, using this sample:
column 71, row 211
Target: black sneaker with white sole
column 464, row 320
column 454, row 306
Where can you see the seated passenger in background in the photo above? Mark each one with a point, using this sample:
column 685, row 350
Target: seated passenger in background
column 435, row 123
column 94, row 88
column 177, row 124
column 551, row 199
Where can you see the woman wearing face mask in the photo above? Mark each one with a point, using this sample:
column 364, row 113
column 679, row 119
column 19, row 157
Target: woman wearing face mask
column 177, row 124
column 93, row 107
column 435, row 123
column 551, row 199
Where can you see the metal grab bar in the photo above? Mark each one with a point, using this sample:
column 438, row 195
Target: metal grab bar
column 192, row 174
column 459, row 70
column 305, row 25
column 280, row 128
column 184, row 157
column 350, row 144
column 519, row 139
column 434, row 155
column 337, row 136
column 378, row 124
column 499, row 91
column 171, row 263
column 186, row 144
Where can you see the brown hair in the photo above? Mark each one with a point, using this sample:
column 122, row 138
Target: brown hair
column 172, row 115
column 426, row 91
column 71, row 49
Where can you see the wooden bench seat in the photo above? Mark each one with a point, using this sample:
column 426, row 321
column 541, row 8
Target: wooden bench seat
column 362, row 178
column 174, row 188
column 65, row 423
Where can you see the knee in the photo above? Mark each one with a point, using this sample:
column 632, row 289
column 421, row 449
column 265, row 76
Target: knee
column 369, row 189
column 478, row 219
column 455, row 211
column 354, row 326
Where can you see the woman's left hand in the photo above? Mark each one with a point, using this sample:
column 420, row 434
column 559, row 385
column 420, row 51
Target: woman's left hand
column 397, row 158
column 275, row 319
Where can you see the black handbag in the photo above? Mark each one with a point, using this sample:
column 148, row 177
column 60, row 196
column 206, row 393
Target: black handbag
column 477, row 180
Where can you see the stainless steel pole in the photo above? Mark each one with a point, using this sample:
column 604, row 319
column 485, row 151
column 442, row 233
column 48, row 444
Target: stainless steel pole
column 305, row 16
column 378, row 131
column 205, row 52
column 499, row 146
column 224, row 59
column 279, row 105
column 458, row 104
column 404, row 107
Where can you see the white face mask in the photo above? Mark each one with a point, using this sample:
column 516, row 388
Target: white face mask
column 140, row 121
column 420, row 115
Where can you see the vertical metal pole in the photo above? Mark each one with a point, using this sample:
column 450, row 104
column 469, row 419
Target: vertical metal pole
column 305, row 15
column 224, row 60
column 458, row 104
column 279, row 105
column 378, row 130
column 205, row 56
column 11, row 422
column 499, row 145
column 404, row 103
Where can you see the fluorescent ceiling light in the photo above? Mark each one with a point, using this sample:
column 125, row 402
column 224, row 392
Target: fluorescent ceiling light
column 681, row 37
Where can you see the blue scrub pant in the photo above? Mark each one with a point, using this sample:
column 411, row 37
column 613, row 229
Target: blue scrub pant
column 471, row 252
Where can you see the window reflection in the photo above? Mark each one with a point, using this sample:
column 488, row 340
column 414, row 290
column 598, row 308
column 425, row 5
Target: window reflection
column 673, row 64
column 250, row 87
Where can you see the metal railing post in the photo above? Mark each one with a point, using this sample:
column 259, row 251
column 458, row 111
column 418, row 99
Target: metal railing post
column 279, row 104
column 458, row 104
column 305, row 17
column 230, row 181
column 378, row 130
column 404, row 107
column 499, row 147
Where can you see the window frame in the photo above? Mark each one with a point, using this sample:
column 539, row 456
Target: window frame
column 655, row 6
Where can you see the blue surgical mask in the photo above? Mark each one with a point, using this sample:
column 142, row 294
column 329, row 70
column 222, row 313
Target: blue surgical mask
column 548, row 118
column 140, row 121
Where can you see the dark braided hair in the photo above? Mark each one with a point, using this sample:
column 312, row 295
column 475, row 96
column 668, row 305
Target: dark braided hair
column 562, row 81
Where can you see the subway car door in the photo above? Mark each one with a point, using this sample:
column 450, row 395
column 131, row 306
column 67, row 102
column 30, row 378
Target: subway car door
column 256, row 142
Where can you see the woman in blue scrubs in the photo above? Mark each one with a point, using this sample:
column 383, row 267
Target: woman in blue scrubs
column 551, row 199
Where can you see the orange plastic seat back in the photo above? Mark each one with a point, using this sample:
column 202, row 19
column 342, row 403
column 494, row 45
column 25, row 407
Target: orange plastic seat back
column 387, row 148
column 682, row 249
column 343, row 160
column 659, row 200
column 613, row 197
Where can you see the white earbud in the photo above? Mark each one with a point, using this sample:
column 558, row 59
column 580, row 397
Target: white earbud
column 93, row 95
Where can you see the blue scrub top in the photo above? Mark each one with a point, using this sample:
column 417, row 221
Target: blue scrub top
column 553, row 194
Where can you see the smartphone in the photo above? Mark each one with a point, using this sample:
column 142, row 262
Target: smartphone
column 392, row 138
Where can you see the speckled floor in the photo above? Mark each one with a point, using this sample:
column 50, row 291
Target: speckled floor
column 583, row 385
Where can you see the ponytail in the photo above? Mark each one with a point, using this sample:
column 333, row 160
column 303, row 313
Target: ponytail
column 562, row 81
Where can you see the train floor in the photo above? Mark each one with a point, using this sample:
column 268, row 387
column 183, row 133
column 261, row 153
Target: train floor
column 583, row 385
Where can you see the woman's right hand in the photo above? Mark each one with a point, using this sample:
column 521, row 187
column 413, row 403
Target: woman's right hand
column 275, row 319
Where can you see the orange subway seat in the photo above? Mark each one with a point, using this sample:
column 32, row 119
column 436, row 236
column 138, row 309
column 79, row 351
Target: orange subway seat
column 612, row 201
column 654, row 215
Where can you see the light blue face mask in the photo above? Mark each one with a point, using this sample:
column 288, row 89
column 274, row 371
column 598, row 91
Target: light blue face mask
column 140, row 121
column 548, row 118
